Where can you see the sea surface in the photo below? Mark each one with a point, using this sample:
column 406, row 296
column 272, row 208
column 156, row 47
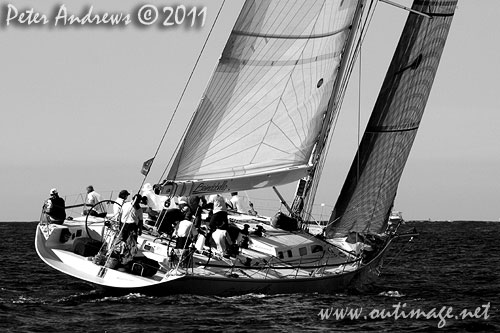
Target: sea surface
column 450, row 268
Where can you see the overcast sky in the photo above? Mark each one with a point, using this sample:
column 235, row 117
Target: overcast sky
column 87, row 105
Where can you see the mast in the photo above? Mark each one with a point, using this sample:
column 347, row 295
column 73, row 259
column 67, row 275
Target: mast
column 368, row 193
column 306, row 187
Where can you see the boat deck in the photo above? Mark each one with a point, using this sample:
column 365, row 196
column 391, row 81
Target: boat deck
column 276, row 254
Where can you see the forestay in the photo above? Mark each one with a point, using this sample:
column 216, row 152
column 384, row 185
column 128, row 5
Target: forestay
column 264, row 106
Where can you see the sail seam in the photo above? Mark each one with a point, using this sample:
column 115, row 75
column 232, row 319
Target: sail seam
column 293, row 62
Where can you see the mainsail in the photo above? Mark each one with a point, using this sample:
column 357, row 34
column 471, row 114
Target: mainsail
column 264, row 107
column 368, row 193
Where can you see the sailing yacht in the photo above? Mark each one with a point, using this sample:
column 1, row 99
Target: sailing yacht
column 266, row 119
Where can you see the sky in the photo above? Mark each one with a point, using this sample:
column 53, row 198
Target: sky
column 87, row 105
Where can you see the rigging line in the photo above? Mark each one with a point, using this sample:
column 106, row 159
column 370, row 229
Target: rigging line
column 406, row 8
column 367, row 22
column 335, row 116
column 176, row 149
column 359, row 114
column 184, row 91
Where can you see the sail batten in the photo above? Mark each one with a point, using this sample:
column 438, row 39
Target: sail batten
column 323, row 35
column 393, row 128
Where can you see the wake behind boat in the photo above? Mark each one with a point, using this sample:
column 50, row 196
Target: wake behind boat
column 265, row 120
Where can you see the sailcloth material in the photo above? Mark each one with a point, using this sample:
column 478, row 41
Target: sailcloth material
column 368, row 193
column 263, row 109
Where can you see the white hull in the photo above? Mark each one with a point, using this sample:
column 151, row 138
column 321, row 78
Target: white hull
column 212, row 277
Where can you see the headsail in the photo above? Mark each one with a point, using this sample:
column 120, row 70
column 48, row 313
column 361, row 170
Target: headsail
column 368, row 193
column 264, row 107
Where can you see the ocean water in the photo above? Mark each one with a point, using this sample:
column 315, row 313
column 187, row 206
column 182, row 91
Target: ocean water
column 450, row 271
